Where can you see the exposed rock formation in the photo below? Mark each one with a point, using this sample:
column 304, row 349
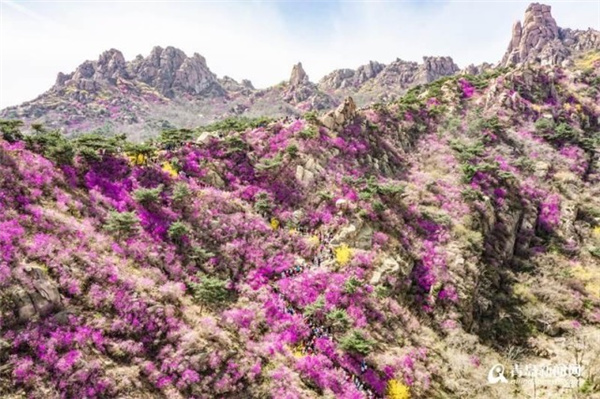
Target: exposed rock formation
column 92, row 75
column 169, row 70
column 435, row 67
column 298, row 76
column 344, row 113
column 403, row 74
column 129, row 95
column 349, row 78
column 476, row 69
column 302, row 92
column 231, row 85
column 399, row 75
column 539, row 39
column 39, row 297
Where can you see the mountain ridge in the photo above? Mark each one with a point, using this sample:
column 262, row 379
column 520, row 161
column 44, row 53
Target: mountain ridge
column 114, row 94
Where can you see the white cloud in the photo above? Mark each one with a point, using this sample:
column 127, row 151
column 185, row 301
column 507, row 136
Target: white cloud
column 254, row 39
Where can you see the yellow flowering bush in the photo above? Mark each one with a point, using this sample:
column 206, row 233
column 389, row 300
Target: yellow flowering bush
column 297, row 352
column 167, row 167
column 397, row 390
column 274, row 223
column 343, row 254
column 139, row 159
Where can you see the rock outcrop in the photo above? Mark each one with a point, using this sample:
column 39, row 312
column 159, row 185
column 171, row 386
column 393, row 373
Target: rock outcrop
column 402, row 74
column 476, row 69
column 39, row 297
column 130, row 95
column 398, row 76
column 301, row 92
column 170, row 71
column 298, row 76
column 435, row 67
column 349, row 78
column 91, row 75
column 539, row 39
column 337, row 118
column 232, row 85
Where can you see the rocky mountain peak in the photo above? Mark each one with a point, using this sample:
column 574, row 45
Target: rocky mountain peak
column 368, row 71
column 539, row 39
column 537, row 34
column 298, row 76
column 232, row 85
column 439, row 66
column 170, row 70
column 350, row 78
column 111, row 65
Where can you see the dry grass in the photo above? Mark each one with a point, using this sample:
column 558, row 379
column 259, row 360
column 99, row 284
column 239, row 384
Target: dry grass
column 589, row 60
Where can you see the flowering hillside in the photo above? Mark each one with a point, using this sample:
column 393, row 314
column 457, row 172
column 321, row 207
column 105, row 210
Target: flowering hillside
column 396, row 251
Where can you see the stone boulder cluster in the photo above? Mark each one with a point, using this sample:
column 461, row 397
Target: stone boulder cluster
column 336, row 119
column 539, row 39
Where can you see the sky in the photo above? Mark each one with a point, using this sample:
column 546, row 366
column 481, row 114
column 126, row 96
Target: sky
column 257, row 40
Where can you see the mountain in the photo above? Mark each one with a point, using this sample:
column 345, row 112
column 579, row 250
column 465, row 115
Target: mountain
column 445, row 244
column 140, row 96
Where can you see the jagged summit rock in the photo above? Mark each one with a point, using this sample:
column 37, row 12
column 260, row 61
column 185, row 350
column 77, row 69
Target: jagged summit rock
column 91, row 75
column 529, row 39
column 298, row 76
column 169, row 70
column 473, row 69
column 395, row 77
column 135, row 94
column 539, row 39
column 304, row 94
column 435, row 67
column 230, row 84
column 349, row 78
column 111, row 65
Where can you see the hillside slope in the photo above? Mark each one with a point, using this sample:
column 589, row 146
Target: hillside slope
column 399, row 250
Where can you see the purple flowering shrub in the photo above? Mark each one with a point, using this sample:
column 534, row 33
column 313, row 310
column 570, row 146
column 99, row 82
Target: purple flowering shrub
column 467, row 88
column 432, row 213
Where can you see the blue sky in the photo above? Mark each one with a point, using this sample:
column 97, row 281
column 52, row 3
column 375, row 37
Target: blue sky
column 257, row 40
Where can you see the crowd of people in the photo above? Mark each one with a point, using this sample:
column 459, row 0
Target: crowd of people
column 307, row 346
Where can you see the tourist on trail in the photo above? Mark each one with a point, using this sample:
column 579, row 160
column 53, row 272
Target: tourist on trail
column 363, row 366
